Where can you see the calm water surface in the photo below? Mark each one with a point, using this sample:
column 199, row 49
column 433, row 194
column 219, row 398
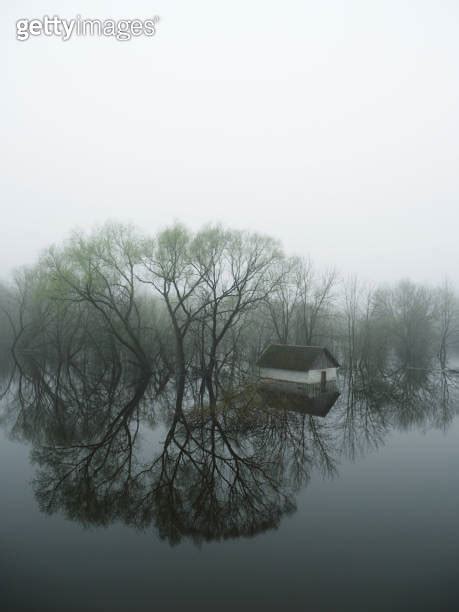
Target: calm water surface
column 357, row 510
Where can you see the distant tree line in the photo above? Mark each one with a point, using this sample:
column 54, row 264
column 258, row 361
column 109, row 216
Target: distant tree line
column 197, row 308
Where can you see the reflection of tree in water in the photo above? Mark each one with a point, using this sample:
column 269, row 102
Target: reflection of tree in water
column 234, row 470
column 405, row 399
column 211, row 481
column 227, row 471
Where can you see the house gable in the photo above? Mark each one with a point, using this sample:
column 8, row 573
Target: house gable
column 323, row 361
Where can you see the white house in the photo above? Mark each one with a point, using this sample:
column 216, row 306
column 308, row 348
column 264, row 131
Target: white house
column 307, row 365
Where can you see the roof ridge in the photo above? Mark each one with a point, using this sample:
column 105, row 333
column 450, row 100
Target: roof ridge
column 298, row 345
column 293, row 356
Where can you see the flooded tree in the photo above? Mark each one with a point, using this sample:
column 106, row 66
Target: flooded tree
column 228, row 470
column 447, row 321
column 239, row 273
column 408, row 314
column 198, row 308
column 209, row 282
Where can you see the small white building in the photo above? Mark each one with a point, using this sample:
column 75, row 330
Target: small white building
column 302, row 365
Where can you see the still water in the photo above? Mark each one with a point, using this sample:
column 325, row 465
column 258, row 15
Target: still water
column 257, row 501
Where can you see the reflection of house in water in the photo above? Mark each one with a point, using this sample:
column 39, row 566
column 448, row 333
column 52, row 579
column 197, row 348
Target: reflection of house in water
column 319, row 404
column 301, row 378
column 293, row 369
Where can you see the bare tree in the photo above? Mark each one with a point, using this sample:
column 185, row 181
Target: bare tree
column 237, row 274
column 448, row 322
column 316, row 297
column 284, row 298
column 100, row 271
column 171, row 272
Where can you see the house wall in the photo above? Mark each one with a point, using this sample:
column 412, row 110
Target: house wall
column 311, row 377
column 290, row 375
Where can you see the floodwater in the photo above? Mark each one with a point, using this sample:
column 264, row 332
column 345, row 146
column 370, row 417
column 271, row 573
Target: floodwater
column 354, row 510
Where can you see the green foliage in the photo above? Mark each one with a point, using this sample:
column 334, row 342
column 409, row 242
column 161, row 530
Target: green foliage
column 206, row 303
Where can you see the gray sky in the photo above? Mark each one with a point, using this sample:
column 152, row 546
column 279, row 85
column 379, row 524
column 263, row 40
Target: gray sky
column 330, row 125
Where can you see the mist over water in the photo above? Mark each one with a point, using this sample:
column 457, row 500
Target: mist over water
column 136, row 416
column 256, row 474
column 229, row 307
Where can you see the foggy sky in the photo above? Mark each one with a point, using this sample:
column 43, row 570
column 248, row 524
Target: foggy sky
column 331, row 125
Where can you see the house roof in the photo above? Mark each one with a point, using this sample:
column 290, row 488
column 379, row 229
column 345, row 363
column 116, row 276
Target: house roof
column 292, row 357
